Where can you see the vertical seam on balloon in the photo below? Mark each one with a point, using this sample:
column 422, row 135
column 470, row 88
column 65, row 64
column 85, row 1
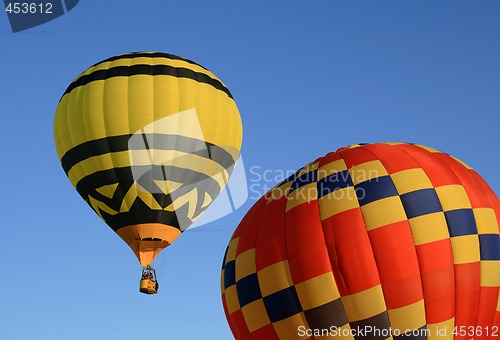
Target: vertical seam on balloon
column 127, row 116
column 467, row 189
column 296, row 176
column 245, row 226
column 485, row 193
column 447, row 226
column 411, row 232
column 260, row 229
column 86, row 118
column 371, row 245
column 320, row 164
column 151, row 150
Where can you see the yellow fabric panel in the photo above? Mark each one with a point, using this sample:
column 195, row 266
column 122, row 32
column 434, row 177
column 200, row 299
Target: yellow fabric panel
column 255, row 315
column 184, row 123
column 245, row 264
column 395, row 143
column 465, row 249
column 96, row 205
column 167, row 186
column 453, row 197
column 117, row 116
column 288, row 328
column 308, row 168
column 304, row 194
column 408, row 317
column 490, row 273
column 331, row 168
column 429, row 228
column 274, row 278
column 486, row 221
column 191, row 196
column 411, row 180
column 148, row 198
column 317, row 291
column 441, row 331
column 365, row 304
column 382, row 212
column 221, row 281
column 232, row 301
column 231, row 249
column 366, row 171
column 431, row 150
column 344, row 199
column 107, row 190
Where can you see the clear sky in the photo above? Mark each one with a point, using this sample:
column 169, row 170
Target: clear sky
column 308, row 77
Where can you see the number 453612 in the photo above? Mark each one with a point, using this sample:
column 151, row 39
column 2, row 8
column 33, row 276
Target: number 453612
column 29, row 8
column 475, row 331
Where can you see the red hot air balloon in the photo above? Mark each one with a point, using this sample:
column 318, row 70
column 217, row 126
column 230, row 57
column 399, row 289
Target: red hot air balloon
column 376, row 241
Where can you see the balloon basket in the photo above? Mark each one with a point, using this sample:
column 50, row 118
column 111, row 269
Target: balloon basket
column 149, row 284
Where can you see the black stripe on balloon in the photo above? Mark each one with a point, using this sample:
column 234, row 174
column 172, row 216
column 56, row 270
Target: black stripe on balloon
column 124, row 178
column 133, row 55
column 106, row 145
column 140, row 213
column 151, row 70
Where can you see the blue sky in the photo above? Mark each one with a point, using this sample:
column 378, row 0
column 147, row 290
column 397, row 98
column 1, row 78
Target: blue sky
column 308, row 77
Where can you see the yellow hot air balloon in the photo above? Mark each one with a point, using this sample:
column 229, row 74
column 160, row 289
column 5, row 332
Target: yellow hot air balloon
column 148, row 140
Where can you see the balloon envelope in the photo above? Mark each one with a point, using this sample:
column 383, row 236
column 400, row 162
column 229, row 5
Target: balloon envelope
column 386, row 239
column 148, row 140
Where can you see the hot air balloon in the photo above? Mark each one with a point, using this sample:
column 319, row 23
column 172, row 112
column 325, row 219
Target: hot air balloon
column 378, row 241
column 148, row 140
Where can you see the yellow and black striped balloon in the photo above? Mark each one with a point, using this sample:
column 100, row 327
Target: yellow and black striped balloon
column 148, row 140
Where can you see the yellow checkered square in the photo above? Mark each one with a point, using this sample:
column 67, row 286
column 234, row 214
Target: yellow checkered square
column 331, row 168
column 274, row 278
column 232, row 301
column 410, row 180
column 366, row 171
column 343, row 199
column 317, row 291
column 255, row 315
column 431, row 150
column 490, row 273
column 383, row 212
column 408, row 317
column 465, row 249
column 365, row 304
column 486, row 221
column 453, row 197
column 288, row 328
column 304, row 194
column 245, row 264
column 441, row 330
column 231, row 249
column 429, row 228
